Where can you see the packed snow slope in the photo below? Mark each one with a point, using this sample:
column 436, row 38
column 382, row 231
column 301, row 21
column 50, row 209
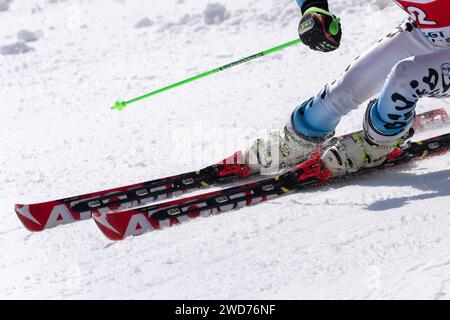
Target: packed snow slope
column 62, row 66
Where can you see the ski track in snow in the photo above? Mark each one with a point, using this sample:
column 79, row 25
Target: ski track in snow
column 381, row 236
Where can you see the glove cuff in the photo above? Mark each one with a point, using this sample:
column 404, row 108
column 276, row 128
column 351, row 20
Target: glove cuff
column 322, row 4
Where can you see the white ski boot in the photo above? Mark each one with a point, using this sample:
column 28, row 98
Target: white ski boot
column 362, row 150
column 280, row 151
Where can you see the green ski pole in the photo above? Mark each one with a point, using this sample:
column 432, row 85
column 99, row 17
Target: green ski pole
column 120, row 105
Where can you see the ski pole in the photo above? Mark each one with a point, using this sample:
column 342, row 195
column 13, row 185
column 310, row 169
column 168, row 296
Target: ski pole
column 120, row 105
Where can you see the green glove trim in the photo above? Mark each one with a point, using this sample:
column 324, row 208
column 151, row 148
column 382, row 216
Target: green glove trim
column 334, row 26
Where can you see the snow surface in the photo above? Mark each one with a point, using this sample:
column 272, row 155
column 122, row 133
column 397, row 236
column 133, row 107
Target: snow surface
column 378, row 237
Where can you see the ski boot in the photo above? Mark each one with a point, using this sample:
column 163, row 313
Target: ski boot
column 366, row 149
column 281, row 151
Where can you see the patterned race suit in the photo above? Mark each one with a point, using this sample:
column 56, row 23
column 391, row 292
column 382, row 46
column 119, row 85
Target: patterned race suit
column 415, row 58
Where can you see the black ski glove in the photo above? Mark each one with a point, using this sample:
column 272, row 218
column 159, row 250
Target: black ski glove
column 320, row 30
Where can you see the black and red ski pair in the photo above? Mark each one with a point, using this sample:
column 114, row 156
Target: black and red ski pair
column 128, row 210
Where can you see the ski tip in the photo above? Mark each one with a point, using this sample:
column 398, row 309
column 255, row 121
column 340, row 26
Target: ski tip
column 434, row 119
column 109, row 231
column 28, row 221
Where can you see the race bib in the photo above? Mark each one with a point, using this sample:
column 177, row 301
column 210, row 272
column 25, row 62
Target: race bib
column 432, row 17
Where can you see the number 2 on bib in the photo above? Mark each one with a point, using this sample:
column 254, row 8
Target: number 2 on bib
column 420, row 16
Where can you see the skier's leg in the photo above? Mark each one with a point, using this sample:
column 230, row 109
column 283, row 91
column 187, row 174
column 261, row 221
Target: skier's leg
column 389, row 118
column 314, row 121
column 320, row 115
column 412, row 78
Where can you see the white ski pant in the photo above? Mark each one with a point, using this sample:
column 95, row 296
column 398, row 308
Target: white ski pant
column 399, row 70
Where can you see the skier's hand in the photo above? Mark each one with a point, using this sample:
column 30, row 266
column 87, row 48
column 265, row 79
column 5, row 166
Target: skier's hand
column 320, row 30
